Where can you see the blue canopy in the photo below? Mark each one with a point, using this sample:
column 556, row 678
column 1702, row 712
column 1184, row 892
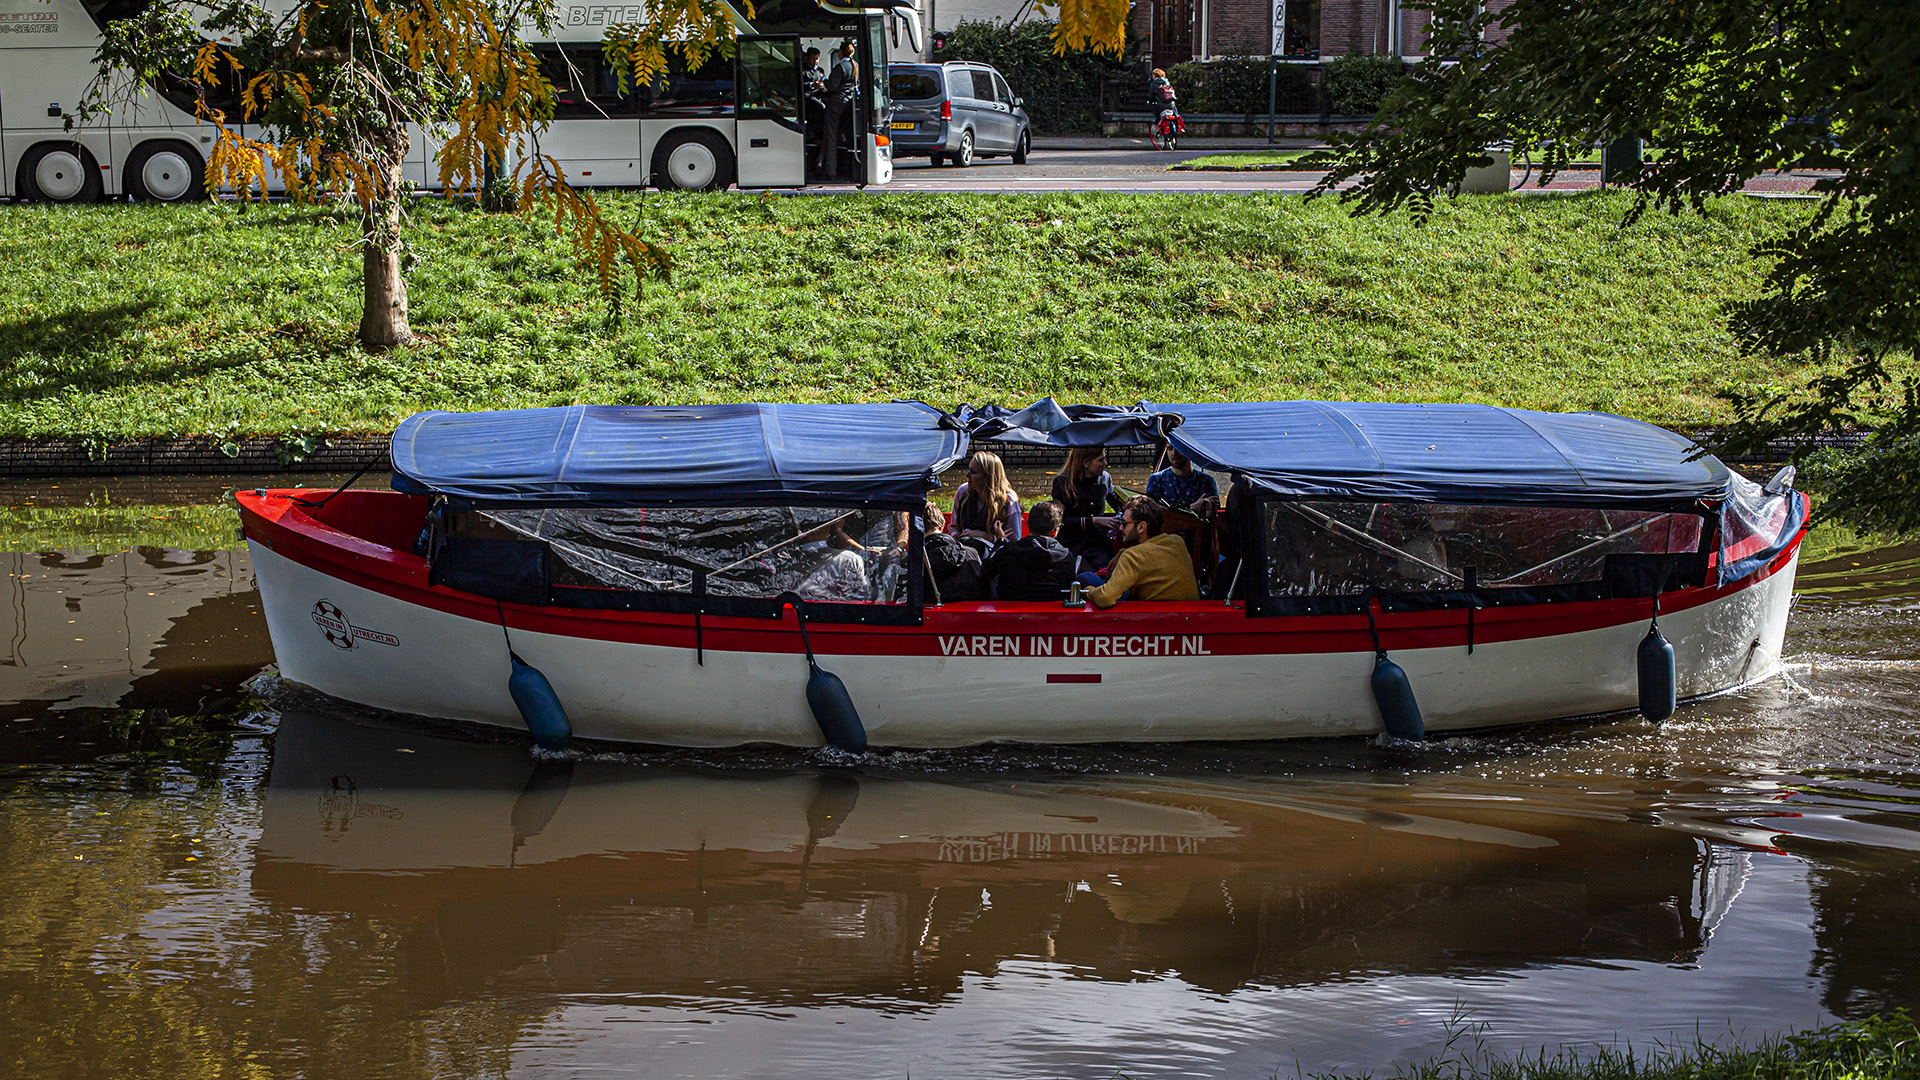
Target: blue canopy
column 1048, row 423
column 1447, row 453
column 667, row 455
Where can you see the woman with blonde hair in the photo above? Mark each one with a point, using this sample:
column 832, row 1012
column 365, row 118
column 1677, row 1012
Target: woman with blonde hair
column 986, row 505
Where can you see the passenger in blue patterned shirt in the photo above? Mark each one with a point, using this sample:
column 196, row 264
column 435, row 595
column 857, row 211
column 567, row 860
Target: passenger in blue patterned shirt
column 1181, row 485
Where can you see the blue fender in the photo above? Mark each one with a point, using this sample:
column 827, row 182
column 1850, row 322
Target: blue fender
column 539, row 706
column 1394, row 694
column 833, row 710
column 1658, row 690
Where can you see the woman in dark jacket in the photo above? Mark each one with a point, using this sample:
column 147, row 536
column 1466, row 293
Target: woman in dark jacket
column 1085, row 491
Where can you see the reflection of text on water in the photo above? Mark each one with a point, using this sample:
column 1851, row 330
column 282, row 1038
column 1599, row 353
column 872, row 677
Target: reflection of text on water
column 1004, row 846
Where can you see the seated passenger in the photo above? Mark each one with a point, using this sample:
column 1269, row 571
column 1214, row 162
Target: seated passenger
column 1085, row 492
column 1037, row 566
column 986, row 506
column 1181, row 485
column 1232, row 528
column 1153, row 565
column 836, row 564
column 841, row 576
column 953, row 570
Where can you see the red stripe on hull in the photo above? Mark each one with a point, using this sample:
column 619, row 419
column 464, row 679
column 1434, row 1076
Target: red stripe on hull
column 972, row 629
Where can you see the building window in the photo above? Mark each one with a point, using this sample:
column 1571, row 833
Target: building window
column 1296, row 26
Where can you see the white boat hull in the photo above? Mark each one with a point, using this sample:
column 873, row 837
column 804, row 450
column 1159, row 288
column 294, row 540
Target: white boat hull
column 1133, row 675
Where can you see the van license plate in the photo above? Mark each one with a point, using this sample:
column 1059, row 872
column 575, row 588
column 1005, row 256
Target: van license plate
column 903, row 125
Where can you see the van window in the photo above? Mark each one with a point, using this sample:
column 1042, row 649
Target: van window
column 982, row 85
column 913, row 84
column 1000, row 89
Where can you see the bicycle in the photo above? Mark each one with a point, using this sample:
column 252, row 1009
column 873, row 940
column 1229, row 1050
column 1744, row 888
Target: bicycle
column 1166, row 131
column 1518, row 159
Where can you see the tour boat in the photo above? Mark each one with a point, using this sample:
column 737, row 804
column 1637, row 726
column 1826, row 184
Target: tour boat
column 723, row 575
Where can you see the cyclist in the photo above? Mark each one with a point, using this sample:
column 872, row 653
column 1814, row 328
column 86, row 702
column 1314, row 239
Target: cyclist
column 1166, row 106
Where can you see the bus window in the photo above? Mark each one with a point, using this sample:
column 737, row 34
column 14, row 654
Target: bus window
column 586, row 86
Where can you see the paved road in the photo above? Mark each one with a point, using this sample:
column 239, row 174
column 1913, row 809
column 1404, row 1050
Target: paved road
column 1090, row 170
column 1146, row 170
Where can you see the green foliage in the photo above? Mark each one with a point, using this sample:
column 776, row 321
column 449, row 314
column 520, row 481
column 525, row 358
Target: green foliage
column 1884, row 1047
column 146, row 320
column 1727, row 89
column 1062, row 92
column 1872, row 487
column 1239, row 85
column 1356, row 85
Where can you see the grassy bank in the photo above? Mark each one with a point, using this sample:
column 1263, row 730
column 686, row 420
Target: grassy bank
column 1885, row 1047
column 1235, row 162
column 221, row 320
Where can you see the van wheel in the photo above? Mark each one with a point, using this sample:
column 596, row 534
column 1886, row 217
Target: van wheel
column 61, row 173
column 1020, row 151
column 963, row 157
column 937, row 159
column 165, row 171
column 693, row 160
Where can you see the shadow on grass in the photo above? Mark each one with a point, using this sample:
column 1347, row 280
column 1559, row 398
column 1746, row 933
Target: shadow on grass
column 69, row 337
column 74, row 351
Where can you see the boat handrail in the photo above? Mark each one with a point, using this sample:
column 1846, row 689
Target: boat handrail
column 770, row 550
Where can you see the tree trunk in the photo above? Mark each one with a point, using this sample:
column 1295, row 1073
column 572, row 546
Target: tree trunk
column 383, row 316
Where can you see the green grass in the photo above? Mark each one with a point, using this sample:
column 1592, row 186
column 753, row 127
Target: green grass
column 1885, row 1047
column 223, row 320
column 1256, row 159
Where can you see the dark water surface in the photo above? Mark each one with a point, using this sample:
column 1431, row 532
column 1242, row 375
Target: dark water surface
column 200, row 875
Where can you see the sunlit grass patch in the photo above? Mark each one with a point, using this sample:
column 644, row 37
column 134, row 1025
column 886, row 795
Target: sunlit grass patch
column 1248, row 159
column 120, row 321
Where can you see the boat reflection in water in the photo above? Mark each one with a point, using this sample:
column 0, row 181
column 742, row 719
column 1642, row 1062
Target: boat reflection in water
column 631, row 882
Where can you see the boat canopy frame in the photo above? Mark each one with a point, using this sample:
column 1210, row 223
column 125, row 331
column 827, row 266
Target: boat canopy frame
column 888, row 456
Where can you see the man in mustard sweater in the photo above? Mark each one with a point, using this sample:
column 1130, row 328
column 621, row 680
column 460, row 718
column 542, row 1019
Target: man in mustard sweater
column 1154, row 565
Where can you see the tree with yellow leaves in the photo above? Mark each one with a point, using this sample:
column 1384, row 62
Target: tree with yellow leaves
column 326, row 91
column 319, row 95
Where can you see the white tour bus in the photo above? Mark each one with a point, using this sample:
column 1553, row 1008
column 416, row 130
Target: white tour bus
column 733, row 120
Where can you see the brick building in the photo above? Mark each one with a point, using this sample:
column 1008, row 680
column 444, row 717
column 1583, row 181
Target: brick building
column 1176, row 31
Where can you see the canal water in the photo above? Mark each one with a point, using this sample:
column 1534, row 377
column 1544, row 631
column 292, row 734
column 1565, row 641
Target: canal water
column 202, row 873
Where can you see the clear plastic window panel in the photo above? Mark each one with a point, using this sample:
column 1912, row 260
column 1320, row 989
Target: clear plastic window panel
column 1329, row 547
column 1752, row 520
column 821, row 553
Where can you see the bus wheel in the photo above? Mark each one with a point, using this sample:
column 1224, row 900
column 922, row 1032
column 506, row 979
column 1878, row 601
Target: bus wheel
column 165, row 171
column 693, row 160
column 60, row 172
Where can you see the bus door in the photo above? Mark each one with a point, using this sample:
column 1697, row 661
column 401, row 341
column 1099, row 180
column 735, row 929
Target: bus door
column 771, row 140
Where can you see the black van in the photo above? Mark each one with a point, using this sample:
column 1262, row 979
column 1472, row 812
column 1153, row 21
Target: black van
column 956, row 112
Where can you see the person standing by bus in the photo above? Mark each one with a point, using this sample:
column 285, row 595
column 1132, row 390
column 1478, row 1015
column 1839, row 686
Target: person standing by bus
column 843, row 83
column 813, row 90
